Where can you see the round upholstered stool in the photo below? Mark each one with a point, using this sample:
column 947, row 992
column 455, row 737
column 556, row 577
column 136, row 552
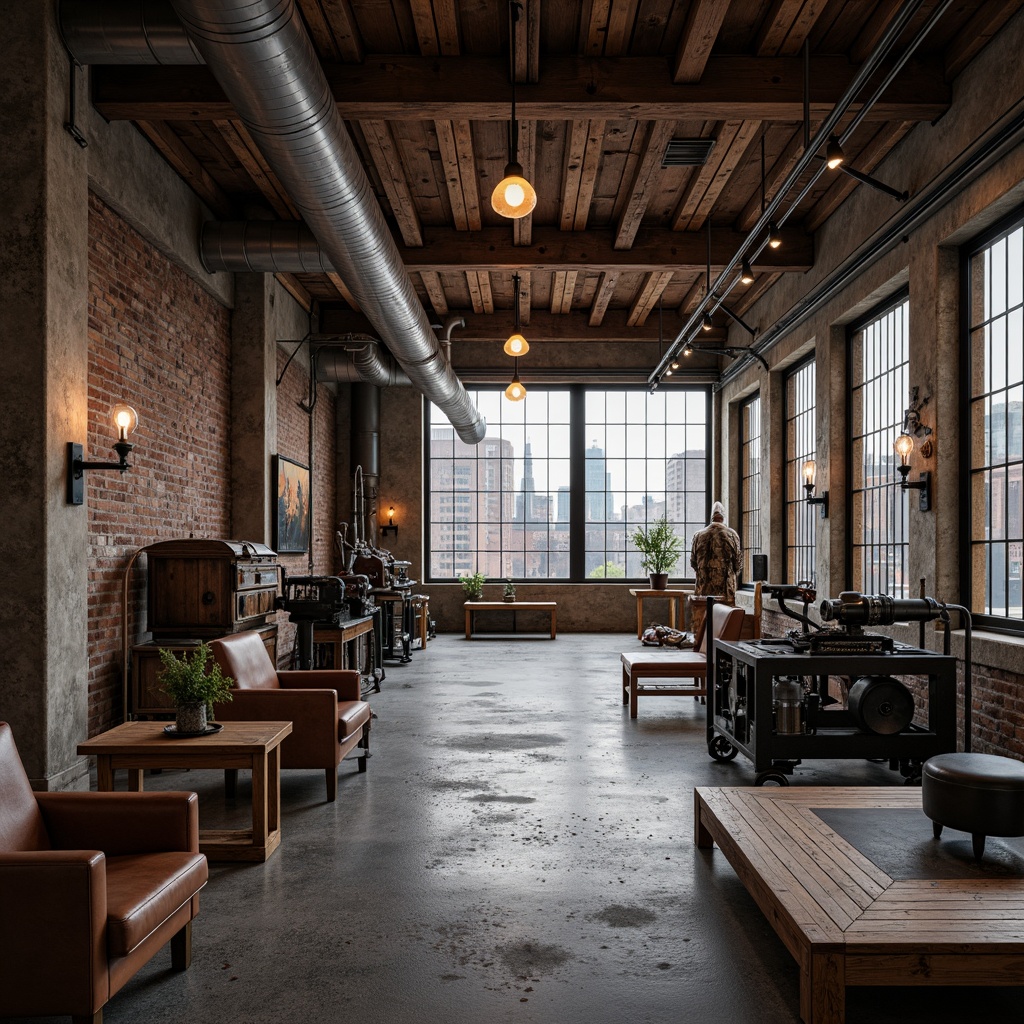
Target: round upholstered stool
column 978, row 793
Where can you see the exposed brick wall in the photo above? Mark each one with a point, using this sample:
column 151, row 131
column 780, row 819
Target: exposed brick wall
column 293, row 442
column 160, row 343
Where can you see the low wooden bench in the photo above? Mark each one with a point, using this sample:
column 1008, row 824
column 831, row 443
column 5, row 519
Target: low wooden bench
column 844, row 920
column 661, row 663
column 472, row 607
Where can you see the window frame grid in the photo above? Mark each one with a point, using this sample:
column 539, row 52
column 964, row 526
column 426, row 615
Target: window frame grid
column 579, row 441
column 970, row 327
column 750, row 490
column 800, row 427
column 887, row 498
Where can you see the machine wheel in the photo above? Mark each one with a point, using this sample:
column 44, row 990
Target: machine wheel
column 721, row 749
column 776, row 778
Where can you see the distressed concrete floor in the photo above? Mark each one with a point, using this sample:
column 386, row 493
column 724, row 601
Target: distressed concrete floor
column 519, row 850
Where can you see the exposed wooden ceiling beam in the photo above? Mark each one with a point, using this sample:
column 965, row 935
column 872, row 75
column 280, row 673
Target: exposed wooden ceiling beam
column 582, row 156
column 343, row 290
column 437, row 28
column 385, row 156
column 185, row 162
column 778, row 172
column 294, row 288
column 605, row 291
column 977, row 34
column 525, row 297
column 647, row 298
column 639, row 190
column 703, row 20
column 788, row 24
column 562, row 288
column 574, row 88
column 455, row 142
column 249, row 156
column 522, row 227
column 334, row 32
column 435, row 291
column 480, row 291
column 544, row 326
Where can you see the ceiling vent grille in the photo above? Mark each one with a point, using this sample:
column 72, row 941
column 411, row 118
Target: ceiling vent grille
column 687, row 152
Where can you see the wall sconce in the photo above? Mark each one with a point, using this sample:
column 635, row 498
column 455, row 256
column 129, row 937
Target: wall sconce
column 809, row 470
column 904, row 445
column 126, row 419
column 391, row 527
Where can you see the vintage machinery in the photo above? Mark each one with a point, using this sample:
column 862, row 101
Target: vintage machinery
column 769, row 698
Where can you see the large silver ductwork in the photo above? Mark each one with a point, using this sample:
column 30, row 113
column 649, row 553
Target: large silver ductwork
column 358, row 359
column 262, row 57
column 125, row 32
column 262, row 247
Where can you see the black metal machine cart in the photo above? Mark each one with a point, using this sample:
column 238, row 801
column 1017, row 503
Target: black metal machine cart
column 765, row 703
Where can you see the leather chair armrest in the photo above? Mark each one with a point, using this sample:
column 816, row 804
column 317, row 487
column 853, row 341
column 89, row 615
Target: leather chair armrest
column 53, row 937
column 345, row 682
column 313, row 713
column 120, row 823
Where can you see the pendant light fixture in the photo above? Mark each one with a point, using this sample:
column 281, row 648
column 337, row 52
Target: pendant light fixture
column 513, row 196
column 774, row 238
column 515, row 392
column 516, row 345
column 707, row 324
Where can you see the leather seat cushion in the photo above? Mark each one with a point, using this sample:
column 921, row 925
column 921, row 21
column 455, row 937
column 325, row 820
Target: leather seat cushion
column 977, row 793
column 352, row 716
column 143, row 890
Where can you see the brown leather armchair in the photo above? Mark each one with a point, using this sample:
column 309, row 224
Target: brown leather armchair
column 91, row 886
column 328, row 716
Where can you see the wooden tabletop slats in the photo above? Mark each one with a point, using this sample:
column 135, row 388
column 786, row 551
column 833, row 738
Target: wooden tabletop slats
column 844, row 920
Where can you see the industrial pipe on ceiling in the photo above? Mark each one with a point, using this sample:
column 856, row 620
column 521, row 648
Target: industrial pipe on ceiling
column 263, row 59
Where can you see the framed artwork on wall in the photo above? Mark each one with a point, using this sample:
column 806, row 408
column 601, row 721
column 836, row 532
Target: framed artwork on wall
column 291, row 516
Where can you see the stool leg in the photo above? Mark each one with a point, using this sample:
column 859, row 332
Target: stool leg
column 978, row 841
column 937, row 830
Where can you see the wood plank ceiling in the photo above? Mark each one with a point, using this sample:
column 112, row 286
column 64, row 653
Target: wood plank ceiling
column 602, row 88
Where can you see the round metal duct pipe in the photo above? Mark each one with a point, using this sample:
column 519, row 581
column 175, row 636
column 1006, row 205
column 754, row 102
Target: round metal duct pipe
column 125, row 32
column 261, row 55
column 262, row 247
column 359, row 360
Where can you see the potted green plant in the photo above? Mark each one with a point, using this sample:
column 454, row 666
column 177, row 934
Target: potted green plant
column 194, row 686
column 473, row 585
column 509, row 593
column 661, row 549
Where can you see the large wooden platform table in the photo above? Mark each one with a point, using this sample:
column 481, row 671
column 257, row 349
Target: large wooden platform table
column 472, row 607
column 845, row 921
column 255, row 745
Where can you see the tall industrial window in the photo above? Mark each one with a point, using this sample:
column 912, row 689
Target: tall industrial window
column 994, row 446
column 801, row 518
column 878, row 354
column 563, row 479
column 750, row 483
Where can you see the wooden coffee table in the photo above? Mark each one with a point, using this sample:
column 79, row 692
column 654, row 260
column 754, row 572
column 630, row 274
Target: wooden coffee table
column 844, row 920
column 472, row 607
column 255, row 745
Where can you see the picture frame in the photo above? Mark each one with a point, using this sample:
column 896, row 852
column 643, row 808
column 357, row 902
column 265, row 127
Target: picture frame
column 292, row 506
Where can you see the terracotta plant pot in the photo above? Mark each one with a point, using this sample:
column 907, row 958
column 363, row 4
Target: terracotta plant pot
column 659, row 580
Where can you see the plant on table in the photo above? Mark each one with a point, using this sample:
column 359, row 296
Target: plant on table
column 661, row 549
column 473, row 585
column 509, row 593
column 194, row 686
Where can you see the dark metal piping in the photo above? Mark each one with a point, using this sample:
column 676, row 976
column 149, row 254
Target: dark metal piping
column 125, row 32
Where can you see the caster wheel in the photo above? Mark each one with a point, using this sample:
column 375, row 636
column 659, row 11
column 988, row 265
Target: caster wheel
column 721, row 749
column 773, row 778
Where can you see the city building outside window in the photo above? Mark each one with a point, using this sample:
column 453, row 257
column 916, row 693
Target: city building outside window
column 993, row 518
column 563, row 479
column 750, row 483
column 801, row 519
column 878, row 368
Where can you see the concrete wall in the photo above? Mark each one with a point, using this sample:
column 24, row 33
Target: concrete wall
column 927, row 260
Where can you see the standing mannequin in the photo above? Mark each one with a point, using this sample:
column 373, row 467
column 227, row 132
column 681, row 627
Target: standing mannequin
column 715, row 556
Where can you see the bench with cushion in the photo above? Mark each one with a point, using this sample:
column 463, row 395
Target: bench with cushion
column 681, row 665
column 92, row 885
column 328, row 716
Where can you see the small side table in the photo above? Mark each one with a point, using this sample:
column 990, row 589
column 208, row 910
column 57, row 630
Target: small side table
column 675, row 606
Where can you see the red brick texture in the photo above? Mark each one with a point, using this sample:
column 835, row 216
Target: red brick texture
column 162, row 344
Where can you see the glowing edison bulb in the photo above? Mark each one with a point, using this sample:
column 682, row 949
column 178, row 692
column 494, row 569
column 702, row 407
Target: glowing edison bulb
column 903, row 446
column 517, row 345
column 515, row 392
column 809, row 470
column 513, row 196
column 126, row 419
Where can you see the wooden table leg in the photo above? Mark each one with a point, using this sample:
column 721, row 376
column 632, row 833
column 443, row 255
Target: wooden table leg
column 104, row 774
column 634, row 682
column 554, row 612
column 134, row 780
column 469, row 623
column 701, row 836
column 672, row 612
column 274, row 790
column 259, row 801
column 823, row 989
column 625, row 685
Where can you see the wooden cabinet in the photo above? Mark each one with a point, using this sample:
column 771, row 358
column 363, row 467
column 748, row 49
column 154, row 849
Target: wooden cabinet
column 146, row 697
